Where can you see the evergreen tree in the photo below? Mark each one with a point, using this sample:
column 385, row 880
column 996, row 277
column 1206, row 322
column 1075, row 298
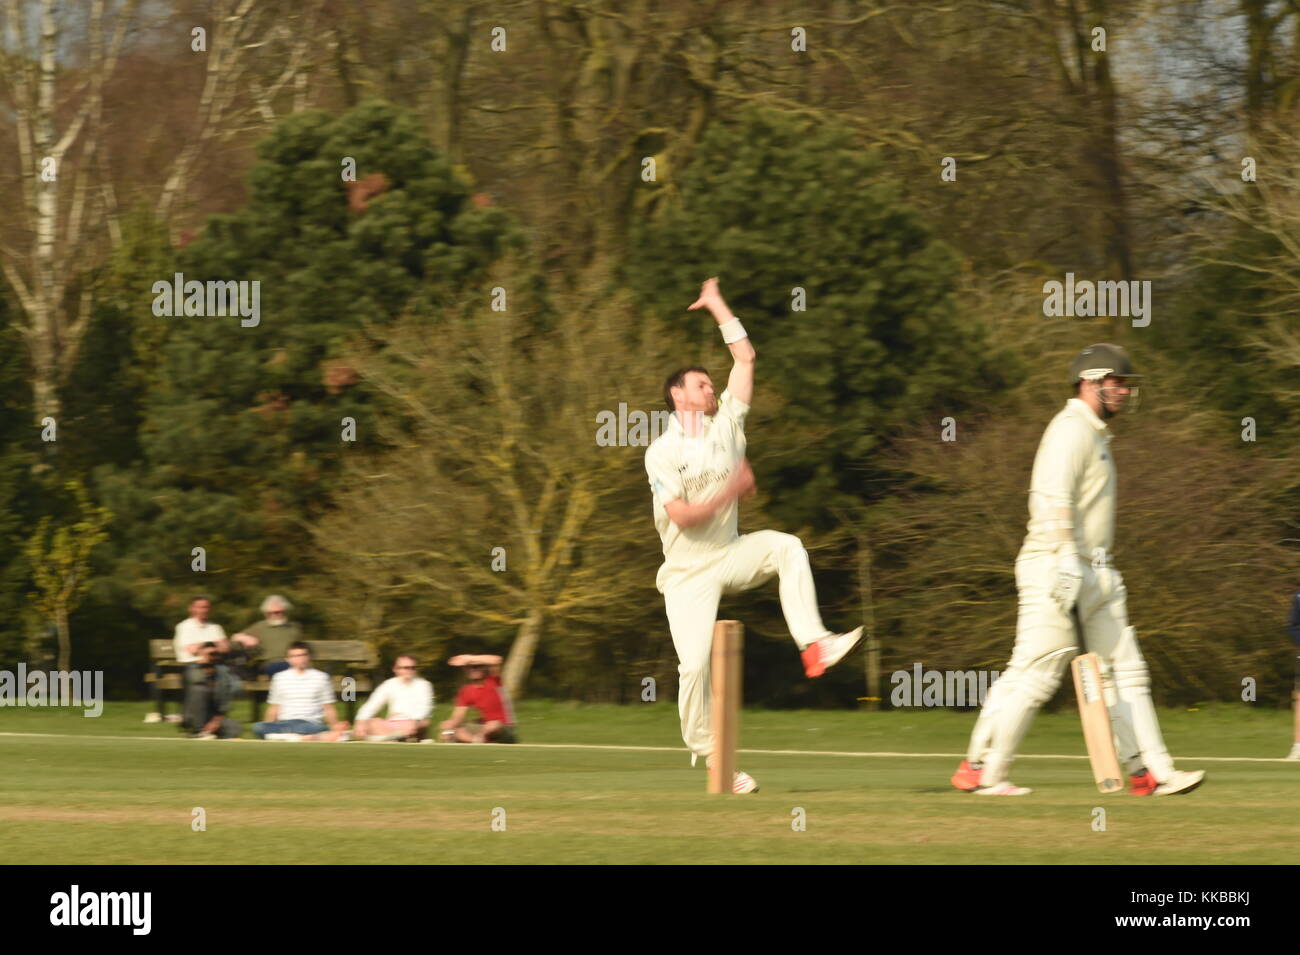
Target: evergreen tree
column 20, row 500
column 779, row 206
column 243, row 427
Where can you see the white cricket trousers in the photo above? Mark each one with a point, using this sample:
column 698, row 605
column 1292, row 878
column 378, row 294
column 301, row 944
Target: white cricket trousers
column 691, row 596
column 1046, row 641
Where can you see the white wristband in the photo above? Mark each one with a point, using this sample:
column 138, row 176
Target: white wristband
column 733, row 331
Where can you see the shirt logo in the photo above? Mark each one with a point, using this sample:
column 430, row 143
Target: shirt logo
column 698, row 483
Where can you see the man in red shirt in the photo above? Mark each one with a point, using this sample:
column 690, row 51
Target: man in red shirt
column 483, row 692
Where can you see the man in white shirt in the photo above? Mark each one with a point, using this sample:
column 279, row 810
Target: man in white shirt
column 698, row 471
column 191, row 634
column 1069, row 586
column 409, row 699
column 196, row 630
column 301, row 703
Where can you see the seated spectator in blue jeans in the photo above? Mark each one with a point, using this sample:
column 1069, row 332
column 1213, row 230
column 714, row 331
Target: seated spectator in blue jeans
column 301, row 703
column 210, row 687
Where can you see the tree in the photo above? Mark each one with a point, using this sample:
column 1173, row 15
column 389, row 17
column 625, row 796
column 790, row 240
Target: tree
column 60, row 560
column 849, row 297
column 1071, row 36
column 244, row 429
column 58, row 75
column 500, row 506
column 55, row 309
column 22, row 500
column 244, row 82
column 1243, row 293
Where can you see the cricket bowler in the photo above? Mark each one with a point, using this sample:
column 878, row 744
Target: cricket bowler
column 698, row 471
column 1065, row 576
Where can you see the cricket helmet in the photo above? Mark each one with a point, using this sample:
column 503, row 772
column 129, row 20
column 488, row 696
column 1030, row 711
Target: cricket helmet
column 1098, row 361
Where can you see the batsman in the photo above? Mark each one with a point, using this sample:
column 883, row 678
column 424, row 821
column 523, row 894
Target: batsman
column 1069, row 587
column 698, row 472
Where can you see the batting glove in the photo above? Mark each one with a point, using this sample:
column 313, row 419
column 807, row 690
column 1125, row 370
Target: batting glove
column 1069, row 578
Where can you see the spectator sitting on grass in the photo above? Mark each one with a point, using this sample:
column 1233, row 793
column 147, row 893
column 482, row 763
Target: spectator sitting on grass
column 410, row 702
column 483, row 692
column 209, row 689
column 273, row 634
column 301, row 703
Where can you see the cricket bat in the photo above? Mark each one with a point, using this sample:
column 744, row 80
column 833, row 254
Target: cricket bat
column 1096, row 723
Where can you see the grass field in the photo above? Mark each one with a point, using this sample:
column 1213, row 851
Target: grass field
column 116, row 790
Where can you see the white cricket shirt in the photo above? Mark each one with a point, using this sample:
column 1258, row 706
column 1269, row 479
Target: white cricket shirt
column 1073, row 468
column 693, row 470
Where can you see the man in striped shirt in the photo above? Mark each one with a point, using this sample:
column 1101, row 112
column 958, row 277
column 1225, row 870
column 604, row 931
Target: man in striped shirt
column 301, row 703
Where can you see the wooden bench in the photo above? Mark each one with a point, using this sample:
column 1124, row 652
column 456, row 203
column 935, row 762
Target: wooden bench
column 341, row 659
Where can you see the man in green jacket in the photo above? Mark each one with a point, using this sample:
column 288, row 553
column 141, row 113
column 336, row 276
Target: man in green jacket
column 273, row 635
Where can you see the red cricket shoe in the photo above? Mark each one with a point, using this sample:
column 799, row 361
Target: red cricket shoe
column 1142, row 783
column 812, row 660
column 967, row 778
column 825, row 653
